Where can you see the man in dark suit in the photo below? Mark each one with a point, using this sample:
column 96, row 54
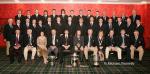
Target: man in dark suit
column 114, row 17
column 97, row 17
column 105, row 18
column 73, row 16
column 30, row 45
column 28, row 15
column 45, row 16
column 8, row 32
column 119, row 25
column 20, row 17
column 81, row 26
column 81, row 16
column 34, row 28
column 36, row 16
column 26, row 26
column 78, row 42
column 19, row 25
column 70, row 26
column 92, row 25
column 63, row 16
column 123, row 43
column 137, row 44
column 40, row 27
column 54, row 15
column 124, row 18
column 89, row 15
column 49, row 26
column 112, row 45
column 59, row 26
column 53, row 43
column 66, row 45
column 139, row 27
column 109, row 26
column 16, row 46
column 89, row 43
column 129, row 28
column 134, row 16
column 101, row 27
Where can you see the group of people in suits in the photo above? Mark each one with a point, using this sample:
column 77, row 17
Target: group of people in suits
column 64, row 34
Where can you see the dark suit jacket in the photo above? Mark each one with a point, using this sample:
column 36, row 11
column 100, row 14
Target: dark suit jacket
column 78, row 40
column 103, row 28
column 69, row 40
column 129, row 29
column 87, row 18
column 26, row 40
column 86, row 39
column 140, row 29
column 138, row 42
column 96, row 19
column 48, row 28
column 110, row 42
column 84, row 18
column 124, row 19
column 39, row 17
column 25, row 27
column 120, row 41
column 100, row 43
column 41, row 28
column 136, row 17
column 118, row 28
column 83, row 29
column 8, row 32
column 93, row 27
column 74, row 19
column 49, row 41
column 34, row 31
column 59, row 28
column 44, row 19
column 71, row 28
column 105, row 19
column 13, row 40
column 64, row 19
column 114, row 19
column 53, row 18
column 22, row 18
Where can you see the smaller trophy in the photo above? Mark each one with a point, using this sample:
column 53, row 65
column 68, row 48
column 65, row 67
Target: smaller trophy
column 74, row 60
column 96, row 64
column 52, row 60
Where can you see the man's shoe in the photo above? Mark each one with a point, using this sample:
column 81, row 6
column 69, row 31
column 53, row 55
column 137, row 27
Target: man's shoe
column 33, row 61
column 26, row 62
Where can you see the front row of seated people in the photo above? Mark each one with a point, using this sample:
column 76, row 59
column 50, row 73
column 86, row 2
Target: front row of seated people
column 101, row 46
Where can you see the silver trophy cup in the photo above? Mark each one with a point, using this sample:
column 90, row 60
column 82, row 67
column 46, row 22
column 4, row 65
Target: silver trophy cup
column 74, row 59
column 96, row 60
column 52, row 60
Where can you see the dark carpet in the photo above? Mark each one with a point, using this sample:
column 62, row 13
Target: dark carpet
column 104, row 68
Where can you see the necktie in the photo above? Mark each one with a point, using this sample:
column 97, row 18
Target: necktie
column 123, row 41
column 17, row 40
column 89, row 41
column 53, row 41
column 30, row 40
column 66, row 40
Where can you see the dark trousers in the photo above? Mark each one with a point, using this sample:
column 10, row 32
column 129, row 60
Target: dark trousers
column 15, row 53
column 63, row 53
column 126, row 52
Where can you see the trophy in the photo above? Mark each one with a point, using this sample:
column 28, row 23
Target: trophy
column 74, row 59
column 96, row 61
column 52, row 60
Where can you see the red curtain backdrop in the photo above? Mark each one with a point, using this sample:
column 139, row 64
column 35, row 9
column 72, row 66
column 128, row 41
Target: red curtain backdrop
column 10, row 10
